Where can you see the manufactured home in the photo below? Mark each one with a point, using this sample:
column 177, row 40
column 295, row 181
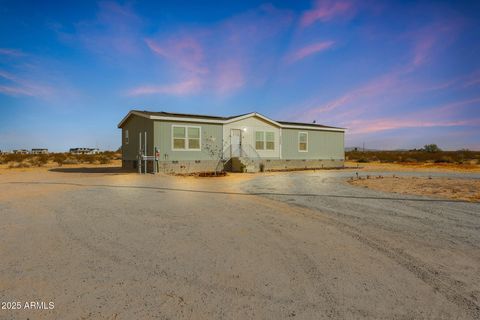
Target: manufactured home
column 184, row 143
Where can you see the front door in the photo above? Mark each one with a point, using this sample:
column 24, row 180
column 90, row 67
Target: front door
column 235, row 142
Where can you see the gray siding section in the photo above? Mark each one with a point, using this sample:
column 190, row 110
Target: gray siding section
column 135, row 125
column 211, row 141
column 322, row 145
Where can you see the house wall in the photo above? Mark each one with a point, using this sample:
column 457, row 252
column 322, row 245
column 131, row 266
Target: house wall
column 325, row 148
column 210, row 146
column 322, row 145
column 135, row 125
column 248, row 127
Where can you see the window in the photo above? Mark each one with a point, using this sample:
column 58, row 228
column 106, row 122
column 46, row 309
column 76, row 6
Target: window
column 186, row 138
column 259, row 140
column 264, row 140
column 126, row 136
column 270, row 140
column 193, row 138
column 303, row 142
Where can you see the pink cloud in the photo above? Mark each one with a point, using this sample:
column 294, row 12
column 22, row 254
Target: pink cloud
column 230, row 76
column 377, row 125
column 439, row 116
column 432, row 38
column 373, row 88
column 186, row 52
column 309, row 50
column 11, row 52
column 220, row 56
column 472, row 79
column 325, row 10
column 423, row 49
column 113, row 34
column 180, row 89
column 19, row 86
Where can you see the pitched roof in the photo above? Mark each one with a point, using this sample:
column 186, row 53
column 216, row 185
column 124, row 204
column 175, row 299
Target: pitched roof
column 184, row 115
column 219, row 119
column 307, row 124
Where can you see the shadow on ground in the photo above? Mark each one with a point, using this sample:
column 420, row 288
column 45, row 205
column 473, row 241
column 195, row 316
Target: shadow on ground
column 91, row 170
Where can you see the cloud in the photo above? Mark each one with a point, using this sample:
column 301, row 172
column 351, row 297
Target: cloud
column 383, row 91
column 220, row 56
column 431, row 39
column 186, row 53
column 115, row 32
column 182, row 88
column 377, row 125
column 325, row 10
column 472, row 80
column 11, row 52
column 18, row 86
column 446, row 115
column 372, row 88
column 306, row 51
column 229, row 77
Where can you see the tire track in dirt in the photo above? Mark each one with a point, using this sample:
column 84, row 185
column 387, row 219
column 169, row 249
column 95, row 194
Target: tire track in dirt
column 93, row 241
column 437, row 280
column 301, row 261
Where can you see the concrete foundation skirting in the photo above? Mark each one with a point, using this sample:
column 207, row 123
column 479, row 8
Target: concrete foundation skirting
column 272, row 165
column 177, row 167
column 187, row 167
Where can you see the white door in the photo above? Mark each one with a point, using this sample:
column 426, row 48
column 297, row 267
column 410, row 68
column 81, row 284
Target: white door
column 235, row 142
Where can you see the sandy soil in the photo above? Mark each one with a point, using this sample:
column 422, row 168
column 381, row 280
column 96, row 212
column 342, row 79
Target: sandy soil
column 105, row 244
column 451, row 188
column 414, row 167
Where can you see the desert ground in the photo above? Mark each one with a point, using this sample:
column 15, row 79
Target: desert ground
column 105, row 244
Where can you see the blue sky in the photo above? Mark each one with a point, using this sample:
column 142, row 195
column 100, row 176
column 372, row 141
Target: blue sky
column 396, row 74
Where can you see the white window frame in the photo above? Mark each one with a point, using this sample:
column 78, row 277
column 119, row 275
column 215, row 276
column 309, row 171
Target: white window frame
column 265, row 140
column 298, row 144
column 272, row 132
column 126, row 136
column 187, row 148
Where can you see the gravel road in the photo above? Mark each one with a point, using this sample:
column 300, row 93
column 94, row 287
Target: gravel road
column 303, row 245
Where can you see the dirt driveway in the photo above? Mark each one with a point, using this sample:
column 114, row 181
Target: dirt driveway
column 300, row 245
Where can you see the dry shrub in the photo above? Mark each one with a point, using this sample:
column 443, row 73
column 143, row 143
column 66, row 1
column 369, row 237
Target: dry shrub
column 39, row 161
column 19, row 165
column 417, row 155
column 70, row 161
column 104, row 159
column 444, row 159
column 11, row 157
column 59, row 158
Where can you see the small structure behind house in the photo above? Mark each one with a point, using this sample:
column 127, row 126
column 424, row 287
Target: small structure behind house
column 84, row 150
column 39, row 151
column 21, row 151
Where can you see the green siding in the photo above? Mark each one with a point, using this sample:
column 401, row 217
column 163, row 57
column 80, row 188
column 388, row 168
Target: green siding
column 321, row 145
column 135, row 125
column 211, row 141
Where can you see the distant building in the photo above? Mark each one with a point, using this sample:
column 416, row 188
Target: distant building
column 39, row 151
column 21, row 151
column 84, row 150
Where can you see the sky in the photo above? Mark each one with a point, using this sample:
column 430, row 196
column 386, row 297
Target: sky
column 395, row 74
